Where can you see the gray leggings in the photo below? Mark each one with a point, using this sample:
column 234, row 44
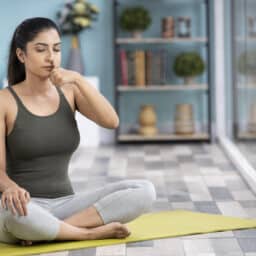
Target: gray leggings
column 120, row 201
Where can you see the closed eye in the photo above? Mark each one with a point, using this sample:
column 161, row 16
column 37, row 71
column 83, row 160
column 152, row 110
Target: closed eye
column 42, row 50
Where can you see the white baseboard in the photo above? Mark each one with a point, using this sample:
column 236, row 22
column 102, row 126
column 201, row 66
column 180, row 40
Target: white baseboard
column 244, row 167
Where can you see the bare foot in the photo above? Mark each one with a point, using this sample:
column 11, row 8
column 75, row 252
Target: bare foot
column 111, row 230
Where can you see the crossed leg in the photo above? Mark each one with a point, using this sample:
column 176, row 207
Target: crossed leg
column 86, row 218
column 120, row 201
column 100, row 213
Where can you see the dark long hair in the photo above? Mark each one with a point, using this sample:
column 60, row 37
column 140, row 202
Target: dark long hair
column 24, row 33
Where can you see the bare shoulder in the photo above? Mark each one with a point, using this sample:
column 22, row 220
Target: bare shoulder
column 7, row 101
column 5, row 92
column 4, row 100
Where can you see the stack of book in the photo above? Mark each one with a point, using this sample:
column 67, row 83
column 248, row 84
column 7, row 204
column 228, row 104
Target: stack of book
column 142, row 67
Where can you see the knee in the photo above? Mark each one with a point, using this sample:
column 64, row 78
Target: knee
column 148, row 194
column 31, row 209
column 14, row 221
column 33, row 225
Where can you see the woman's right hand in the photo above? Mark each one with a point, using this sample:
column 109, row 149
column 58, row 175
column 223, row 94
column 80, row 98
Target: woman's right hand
column 15, row 199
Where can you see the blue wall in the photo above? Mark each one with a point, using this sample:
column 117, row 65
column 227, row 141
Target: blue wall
column 96, row 43
column 97, row 50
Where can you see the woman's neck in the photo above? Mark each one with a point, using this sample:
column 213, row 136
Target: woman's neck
column 34, row 85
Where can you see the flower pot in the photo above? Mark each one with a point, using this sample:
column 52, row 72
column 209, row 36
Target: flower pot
column 137, row 34
column 189, row 80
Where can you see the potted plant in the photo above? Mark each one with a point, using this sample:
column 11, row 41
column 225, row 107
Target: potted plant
column 188, row 65
column 75, row 16
column 135, row 19
column 247, row 65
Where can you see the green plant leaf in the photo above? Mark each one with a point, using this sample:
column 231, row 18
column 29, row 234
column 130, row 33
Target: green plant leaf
column 188, row 64
column 135, row 18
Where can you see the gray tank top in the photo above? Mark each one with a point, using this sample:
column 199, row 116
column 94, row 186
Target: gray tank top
column 39, row 148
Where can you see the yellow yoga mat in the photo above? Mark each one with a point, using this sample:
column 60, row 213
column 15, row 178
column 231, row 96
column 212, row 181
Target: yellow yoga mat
column 146, row 227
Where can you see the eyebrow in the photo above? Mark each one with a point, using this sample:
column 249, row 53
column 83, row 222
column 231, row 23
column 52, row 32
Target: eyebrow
column 47, row 44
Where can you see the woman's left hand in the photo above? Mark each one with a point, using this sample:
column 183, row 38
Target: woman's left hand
column 60, row 76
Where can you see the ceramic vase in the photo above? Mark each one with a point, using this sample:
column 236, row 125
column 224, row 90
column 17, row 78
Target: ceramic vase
column 75, row 60
column 147, row 120
column 184, row 120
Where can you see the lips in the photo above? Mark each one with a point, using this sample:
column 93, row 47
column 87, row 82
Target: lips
column 49, row 68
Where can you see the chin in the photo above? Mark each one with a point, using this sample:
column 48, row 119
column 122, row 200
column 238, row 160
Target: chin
column 43, row 76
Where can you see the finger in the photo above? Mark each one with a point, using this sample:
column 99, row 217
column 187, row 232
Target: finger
column 18, row 206
column 23, row 204
column 3, row 201
column 11, row 206
column 27, row 195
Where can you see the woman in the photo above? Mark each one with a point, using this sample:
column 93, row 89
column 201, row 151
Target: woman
column 38, row 134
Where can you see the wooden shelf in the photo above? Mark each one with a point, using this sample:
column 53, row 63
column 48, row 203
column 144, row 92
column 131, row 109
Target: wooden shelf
column 163, row 137
column 129, row 88
column 129, row 40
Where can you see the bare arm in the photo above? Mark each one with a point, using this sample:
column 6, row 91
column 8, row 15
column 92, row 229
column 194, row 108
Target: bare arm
column 94, row 105
column 13, row 197
column 89, row 102
column 5, row 181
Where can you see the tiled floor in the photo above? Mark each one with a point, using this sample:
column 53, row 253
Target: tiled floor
column 196, row 177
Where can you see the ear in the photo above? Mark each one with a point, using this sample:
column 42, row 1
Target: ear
column 20, row 55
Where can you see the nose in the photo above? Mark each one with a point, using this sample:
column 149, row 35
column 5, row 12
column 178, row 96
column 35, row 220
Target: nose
column 50, row 57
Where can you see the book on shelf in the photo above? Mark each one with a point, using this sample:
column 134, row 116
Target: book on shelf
column 140, row 68
column 130, row 64
column 155, row 71
column 148, row 67
column 164, row 66
column 123, row 66
column 143, row 67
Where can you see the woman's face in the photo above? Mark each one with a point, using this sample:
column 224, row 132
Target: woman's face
column 43, row 53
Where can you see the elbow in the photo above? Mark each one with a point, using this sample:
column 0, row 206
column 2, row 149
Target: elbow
column 109, row 124
column 115, row 123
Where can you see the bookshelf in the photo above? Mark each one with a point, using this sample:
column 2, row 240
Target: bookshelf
column 167, row 90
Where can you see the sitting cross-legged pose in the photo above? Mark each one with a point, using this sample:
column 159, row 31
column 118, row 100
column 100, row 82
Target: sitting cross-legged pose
column 39, row 134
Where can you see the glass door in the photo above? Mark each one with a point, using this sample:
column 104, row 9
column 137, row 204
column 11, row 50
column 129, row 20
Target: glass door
column 244, row 78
